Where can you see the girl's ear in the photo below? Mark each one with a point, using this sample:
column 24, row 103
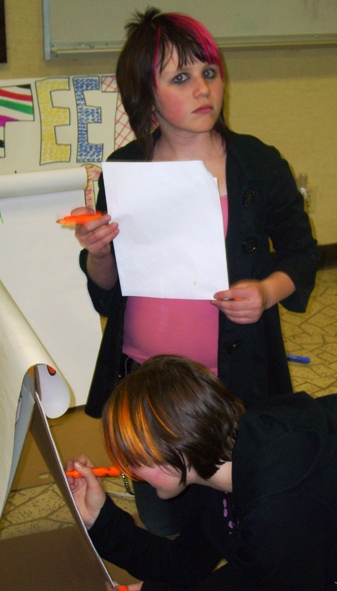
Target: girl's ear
column 154, row 118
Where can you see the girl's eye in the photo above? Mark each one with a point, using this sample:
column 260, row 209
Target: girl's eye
column 210, row 73
column 180, row 78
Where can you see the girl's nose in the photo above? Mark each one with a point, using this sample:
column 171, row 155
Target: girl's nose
column 201, row 87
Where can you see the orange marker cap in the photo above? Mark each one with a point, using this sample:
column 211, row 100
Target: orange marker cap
column 79, row 220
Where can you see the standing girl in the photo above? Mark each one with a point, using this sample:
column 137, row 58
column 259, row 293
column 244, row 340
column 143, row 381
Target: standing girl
column 171, row 80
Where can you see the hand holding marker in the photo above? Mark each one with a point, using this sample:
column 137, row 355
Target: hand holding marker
column 103, row 471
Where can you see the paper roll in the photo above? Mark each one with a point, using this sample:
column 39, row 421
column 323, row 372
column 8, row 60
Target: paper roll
column 40, row 183
column 20, row 349
column 55, row 395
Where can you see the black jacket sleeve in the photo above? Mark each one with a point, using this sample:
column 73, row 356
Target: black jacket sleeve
column 102, row 299
column 288, row 227
column 265, row 205
column 278, row 548
column 176, row 564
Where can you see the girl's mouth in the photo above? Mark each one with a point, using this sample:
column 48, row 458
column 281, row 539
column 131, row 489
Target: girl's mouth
column 203, row 109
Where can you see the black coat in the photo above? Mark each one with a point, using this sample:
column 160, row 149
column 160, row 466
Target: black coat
column 280, row 533
column 263, row 204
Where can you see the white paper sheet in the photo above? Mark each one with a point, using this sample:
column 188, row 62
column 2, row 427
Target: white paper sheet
column 171, row 242
column 39, row 268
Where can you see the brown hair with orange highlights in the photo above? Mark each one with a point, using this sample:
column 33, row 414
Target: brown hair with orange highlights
column 171, row 411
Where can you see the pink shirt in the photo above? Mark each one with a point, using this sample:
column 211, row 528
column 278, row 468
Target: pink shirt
column 154, row 326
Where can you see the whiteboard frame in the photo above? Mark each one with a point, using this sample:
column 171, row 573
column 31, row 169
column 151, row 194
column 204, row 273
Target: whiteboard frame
column 87, row 48
column 3, row 46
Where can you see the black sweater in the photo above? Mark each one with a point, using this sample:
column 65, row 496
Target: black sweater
column 277, row 530
column 263, row 204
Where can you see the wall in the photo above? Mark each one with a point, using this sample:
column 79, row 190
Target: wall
column 285, row 97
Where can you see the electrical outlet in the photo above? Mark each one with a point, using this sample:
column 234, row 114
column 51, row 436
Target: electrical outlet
column 311, row 197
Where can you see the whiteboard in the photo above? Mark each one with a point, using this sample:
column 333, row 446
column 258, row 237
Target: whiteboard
column 87, row 26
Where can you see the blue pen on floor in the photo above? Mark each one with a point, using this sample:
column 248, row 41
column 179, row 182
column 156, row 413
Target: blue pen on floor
column 298, row 358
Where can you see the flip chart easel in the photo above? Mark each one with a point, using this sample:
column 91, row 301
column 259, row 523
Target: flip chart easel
column 39, row 267
column 59, row 559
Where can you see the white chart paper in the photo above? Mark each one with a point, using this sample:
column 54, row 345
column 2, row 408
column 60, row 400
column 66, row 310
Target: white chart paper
column 39, row 268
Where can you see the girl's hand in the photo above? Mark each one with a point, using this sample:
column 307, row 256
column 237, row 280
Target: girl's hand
column 88, row 492
column 96, row 235
column 243, row 303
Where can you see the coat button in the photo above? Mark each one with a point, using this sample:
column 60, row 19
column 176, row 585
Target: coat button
column 234, row 347
column 249, row 197
column 250, row 245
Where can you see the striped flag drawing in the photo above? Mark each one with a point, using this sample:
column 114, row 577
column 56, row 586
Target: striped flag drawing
column 16, row 104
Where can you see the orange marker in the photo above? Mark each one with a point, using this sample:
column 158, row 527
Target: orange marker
column 79, row 220
column 105, row 471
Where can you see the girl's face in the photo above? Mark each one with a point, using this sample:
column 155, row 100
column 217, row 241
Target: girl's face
column 164, row 479
column 188, row 99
